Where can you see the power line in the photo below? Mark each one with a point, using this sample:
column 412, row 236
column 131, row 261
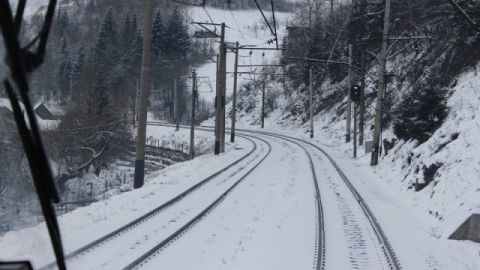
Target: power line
column 91, row 127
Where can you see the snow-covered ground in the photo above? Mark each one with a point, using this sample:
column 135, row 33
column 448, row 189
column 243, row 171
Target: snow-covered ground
column 89, row 223
column 268, row 222
column 179, row 140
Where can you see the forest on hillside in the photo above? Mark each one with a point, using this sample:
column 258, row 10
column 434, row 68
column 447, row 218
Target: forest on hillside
column 433, row 45
column 90, row 81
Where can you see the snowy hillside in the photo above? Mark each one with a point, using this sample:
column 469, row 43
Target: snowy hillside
column 248, row 28
column 438, row 178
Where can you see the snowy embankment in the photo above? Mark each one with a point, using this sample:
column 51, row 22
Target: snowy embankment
column 453, row 193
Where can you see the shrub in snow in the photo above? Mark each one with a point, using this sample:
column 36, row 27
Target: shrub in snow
column 420, row 113
column 429, row 174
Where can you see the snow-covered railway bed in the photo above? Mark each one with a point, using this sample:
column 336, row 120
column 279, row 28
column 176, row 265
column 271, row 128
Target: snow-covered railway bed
column 359, row 243
column 144, row 258
column 120, row 247
column 354, row 239
column 271, row 221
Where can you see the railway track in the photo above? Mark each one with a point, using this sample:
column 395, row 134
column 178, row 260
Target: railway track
column 384, row 243
column 320, row 249
column 183, row 229
column 319, row 259
column 91, row 247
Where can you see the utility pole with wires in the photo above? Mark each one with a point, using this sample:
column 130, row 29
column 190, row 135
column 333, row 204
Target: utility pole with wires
column 175, row 108
column 142, row 109
column 361, row 116
column 234, row 102
column 192, row 117
column 311, row 100
column 349, row 96
column 381, row 87
column 220, row 82
column 220, row 99
column 263, row 102
column 355, row 115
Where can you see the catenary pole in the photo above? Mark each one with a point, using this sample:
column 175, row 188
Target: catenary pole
column 176, row 109
column 311, row 101
column 381, row 87
column 263, row 103
column 234, row 102
column 217, row 118
column 223, row 74
column 355, row 130
column 361, row 117
column 192, row 118
column 349, row 96
column 219, row 99
column 144, row 84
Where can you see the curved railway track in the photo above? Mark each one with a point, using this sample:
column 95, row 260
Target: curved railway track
column 319, row 259
column 144, row 218
column 384, row 243
column 157, row 248
column 246, row 170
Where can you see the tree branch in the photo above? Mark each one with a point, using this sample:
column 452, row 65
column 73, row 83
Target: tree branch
column 464, row 14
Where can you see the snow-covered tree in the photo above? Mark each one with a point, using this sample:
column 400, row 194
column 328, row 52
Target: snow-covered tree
column 420, row 113
column 158, row 33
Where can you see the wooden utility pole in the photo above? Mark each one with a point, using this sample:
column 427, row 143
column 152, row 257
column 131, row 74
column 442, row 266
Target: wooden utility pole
column 192, row 118
column 349, row 101
column 311, row 101
column 263, row 103
column 234, row 102
column 220, row 98
column 361, row 125
column 381, row 87
column 176, row 109
column 144, row 84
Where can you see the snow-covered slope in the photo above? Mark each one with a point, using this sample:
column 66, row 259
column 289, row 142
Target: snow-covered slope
column 453, row 193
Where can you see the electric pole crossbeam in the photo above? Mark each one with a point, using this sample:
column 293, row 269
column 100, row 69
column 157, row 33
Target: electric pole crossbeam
column 260, row 65
column 262, row 49
column 258, row 73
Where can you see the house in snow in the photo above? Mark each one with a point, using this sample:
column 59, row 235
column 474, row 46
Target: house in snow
column 43, row 112
column 45, row 118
